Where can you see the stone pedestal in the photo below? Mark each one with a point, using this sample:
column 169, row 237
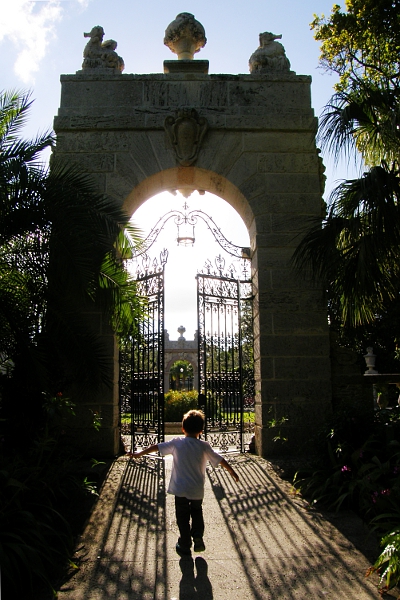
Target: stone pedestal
column 186, row 66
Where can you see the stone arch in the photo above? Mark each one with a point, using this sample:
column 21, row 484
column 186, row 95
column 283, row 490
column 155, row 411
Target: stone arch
column 189, row 179
column 259, row 154
column 172, row 361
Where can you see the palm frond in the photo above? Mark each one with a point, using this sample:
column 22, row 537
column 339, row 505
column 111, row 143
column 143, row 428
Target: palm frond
column 62, row 246
column 364, row 120
column 27, row 151
column 376, row 197
column 14, row 108
column 356, row 250
column 337, row 126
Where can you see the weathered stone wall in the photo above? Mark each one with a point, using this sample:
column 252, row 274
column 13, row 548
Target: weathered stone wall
column 259, row 155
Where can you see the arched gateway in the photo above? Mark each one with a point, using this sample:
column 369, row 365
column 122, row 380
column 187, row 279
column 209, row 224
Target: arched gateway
column 249, row 139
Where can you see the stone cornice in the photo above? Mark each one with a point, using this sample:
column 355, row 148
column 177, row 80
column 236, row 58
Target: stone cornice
column 118, row 77
column 142, row 120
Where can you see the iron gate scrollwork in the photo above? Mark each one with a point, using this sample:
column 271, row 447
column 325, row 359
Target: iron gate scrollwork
column 142, row 362
column 226, row 374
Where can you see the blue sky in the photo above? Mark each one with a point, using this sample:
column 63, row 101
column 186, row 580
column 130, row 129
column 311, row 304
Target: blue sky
column 39, row 40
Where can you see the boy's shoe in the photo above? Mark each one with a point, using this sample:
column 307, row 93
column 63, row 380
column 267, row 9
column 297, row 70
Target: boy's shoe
column 182, row 551
column 199, row 545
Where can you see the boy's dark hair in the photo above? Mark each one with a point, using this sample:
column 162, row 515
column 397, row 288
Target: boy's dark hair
column 193, row 421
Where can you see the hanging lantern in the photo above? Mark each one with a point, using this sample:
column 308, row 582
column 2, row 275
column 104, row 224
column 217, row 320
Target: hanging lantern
column 185, row 227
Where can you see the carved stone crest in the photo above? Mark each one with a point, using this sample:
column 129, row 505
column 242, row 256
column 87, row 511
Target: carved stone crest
column 186, row 132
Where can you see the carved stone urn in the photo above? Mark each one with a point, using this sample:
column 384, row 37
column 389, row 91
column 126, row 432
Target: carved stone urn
column 370, row 358
column 185, row 36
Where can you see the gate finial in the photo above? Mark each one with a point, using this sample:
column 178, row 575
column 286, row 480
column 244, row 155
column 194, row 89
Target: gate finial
column 185, row 36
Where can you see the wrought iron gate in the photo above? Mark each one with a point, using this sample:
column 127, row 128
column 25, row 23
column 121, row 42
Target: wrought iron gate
column 142, row 362
column 225, row 347
column 225, row 335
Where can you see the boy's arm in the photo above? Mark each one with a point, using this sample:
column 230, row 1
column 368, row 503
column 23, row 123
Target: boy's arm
column 148, row 450
column 231, row 471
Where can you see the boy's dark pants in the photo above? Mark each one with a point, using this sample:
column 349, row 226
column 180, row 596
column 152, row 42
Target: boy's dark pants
column 186, row 509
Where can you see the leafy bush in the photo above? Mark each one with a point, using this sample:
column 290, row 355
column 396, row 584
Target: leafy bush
column 359, row 468
column 388, row 562
column 61, row 244
column 45, row 496
column 34, row 537
column 176, row 404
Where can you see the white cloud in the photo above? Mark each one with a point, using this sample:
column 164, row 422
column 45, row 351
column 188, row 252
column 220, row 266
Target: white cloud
column 29, row 25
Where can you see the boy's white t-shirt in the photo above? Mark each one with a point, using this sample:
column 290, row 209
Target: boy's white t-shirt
column 190, row 456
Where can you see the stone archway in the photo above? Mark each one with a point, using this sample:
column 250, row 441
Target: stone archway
column 252, row 144
column 187, row 179
column 180, row 349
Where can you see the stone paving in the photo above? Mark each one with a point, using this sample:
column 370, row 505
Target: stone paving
column 262, row 541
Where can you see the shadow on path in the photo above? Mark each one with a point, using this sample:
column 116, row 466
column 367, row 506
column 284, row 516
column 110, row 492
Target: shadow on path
column 262, row 542
column 194, row 586
column 131, row 563
column 286, row 551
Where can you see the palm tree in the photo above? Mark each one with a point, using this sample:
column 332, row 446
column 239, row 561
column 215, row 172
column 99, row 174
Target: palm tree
column 357, row 250
column 61, row 251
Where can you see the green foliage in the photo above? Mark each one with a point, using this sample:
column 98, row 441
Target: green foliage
column 358, row 463
column 58, row 407
column 176, row 404
column 37, row 524
column 383, row 334
column 388, row 562
column 179, row 372
column 61, row 244
column 96, row 419
column 44, row 497
column 248, row 416
column 358, row 468
column 361, row 43
column 364, row 119
column 356, row 252
column 275, row 422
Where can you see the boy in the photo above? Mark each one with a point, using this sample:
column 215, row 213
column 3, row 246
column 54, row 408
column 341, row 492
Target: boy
column 190, row 456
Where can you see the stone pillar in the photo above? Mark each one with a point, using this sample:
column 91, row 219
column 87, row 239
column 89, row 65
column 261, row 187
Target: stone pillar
column 95, row 427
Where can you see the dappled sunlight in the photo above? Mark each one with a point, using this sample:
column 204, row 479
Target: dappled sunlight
column 261, row 541
column 285, row 549
column 132, row 560
column 134, row 554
